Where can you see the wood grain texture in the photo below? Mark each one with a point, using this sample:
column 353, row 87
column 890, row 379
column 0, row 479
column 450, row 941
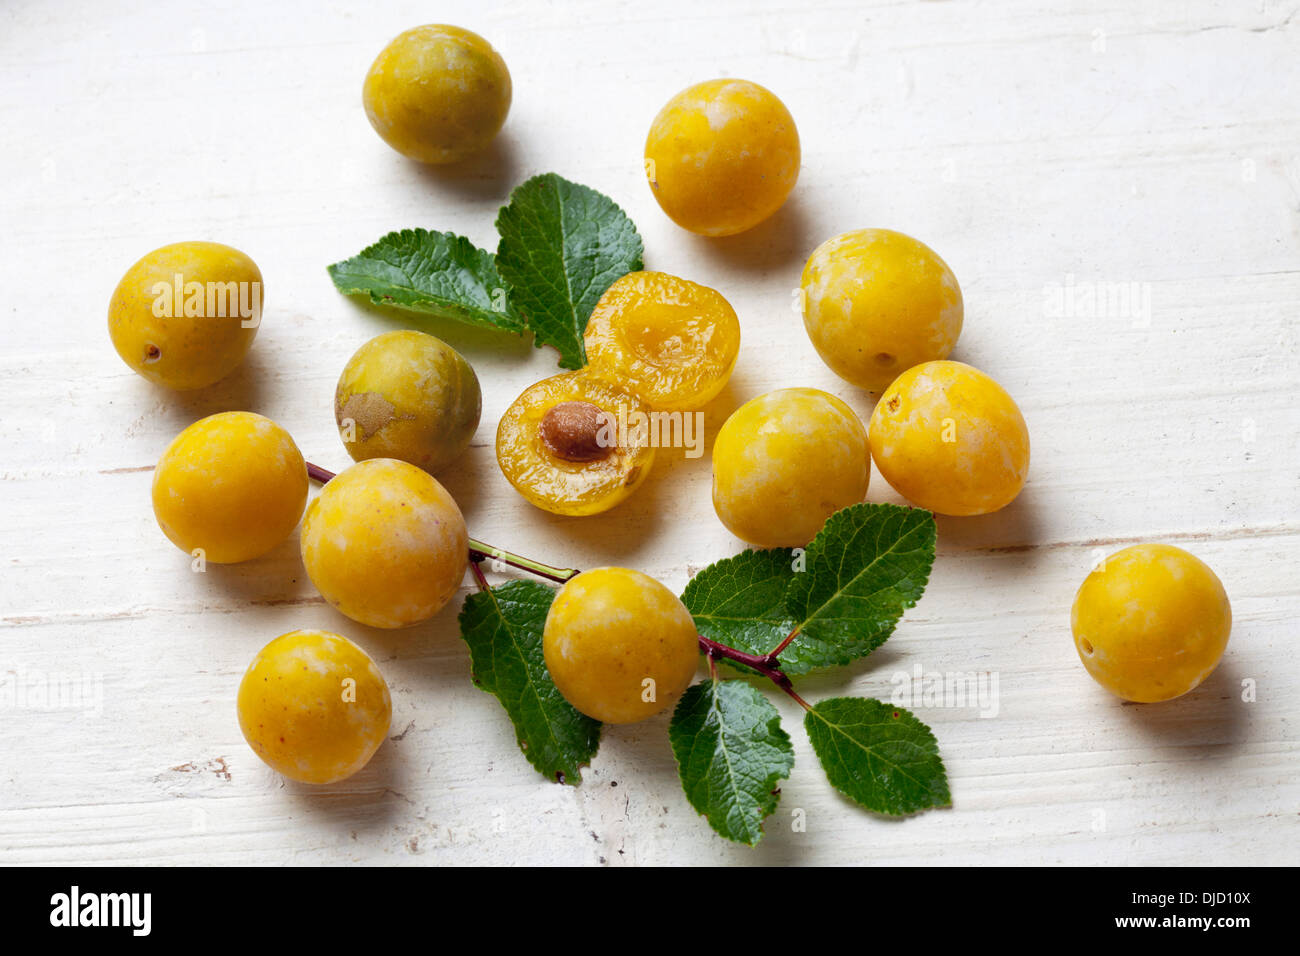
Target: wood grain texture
column 1038, row 147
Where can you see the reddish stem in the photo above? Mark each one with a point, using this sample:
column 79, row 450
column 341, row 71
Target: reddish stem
column 479, row 579
column 764, row 664
column 317, row 473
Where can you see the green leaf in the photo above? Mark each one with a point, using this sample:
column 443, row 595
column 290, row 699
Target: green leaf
column 877, row 755
column 437, row 273
column 740, row 601
column 868, row 564
column 730, row 751
column 503, row 628
column 562, row 245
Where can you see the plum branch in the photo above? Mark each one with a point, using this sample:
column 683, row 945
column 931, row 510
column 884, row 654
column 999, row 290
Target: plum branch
column 766, row 664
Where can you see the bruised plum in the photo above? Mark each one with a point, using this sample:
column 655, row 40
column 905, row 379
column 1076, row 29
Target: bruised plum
column 410, row 396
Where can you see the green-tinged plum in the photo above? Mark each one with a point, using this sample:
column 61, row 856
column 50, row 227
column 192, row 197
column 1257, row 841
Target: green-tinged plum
column 437, row 93
column 410, row 396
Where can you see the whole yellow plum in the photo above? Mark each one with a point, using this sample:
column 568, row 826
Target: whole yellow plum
column 1151, row 622
column 185, row 315
column 785, row 462
column 230, row 487
column 722, row 156
column 619, row 645
column 876, row 303
column 437, row 93
column 314, row 706
column 949, row 438
column 385, row 543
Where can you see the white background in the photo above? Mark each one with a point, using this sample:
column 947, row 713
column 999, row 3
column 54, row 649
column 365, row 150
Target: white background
column 1034, row 145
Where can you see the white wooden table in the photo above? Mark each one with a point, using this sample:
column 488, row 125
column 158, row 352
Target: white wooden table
column 1041, row 148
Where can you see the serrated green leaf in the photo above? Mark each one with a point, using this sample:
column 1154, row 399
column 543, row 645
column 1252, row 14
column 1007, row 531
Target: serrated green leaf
column 562, row 245
column 740, row 601
column 877, row 755
column 436, row 273
column 730, row 751
column 503, row 628
column 867, row 565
